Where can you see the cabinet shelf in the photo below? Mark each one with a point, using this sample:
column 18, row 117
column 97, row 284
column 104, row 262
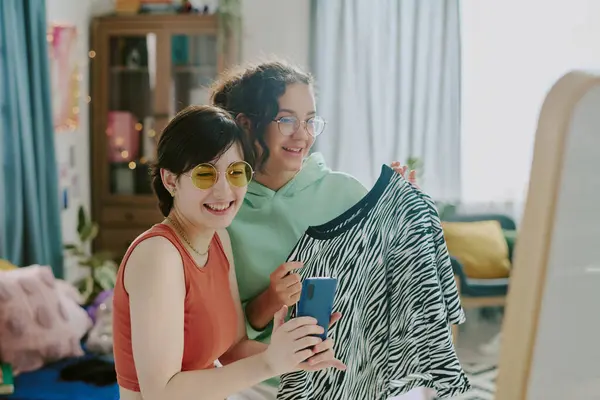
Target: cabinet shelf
column 145, row 70
column 120, row 68
column 205, row 70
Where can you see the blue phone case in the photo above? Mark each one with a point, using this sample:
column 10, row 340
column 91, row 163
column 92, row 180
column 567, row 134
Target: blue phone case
column 316, row 300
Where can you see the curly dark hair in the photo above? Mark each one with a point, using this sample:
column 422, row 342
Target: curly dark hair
column 254, row 91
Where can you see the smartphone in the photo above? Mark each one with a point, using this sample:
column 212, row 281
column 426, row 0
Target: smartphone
column 316, row 300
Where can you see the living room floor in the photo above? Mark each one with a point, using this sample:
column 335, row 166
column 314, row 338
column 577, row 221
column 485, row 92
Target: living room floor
column 478, row 351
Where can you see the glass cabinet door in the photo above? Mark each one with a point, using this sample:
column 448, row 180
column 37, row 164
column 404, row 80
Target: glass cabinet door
column 131, row 137
column 193, row 69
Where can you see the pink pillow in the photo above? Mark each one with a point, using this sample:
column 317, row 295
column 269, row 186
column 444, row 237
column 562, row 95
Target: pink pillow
column 79, row 320
column 36, row 319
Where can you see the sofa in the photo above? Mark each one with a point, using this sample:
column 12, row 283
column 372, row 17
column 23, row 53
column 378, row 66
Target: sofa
column 484, row 292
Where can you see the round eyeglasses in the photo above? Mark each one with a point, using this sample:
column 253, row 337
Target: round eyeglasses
column 289, row 125
column 238, row 174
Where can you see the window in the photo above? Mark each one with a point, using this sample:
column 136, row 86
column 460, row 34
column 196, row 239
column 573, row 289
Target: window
column 513, row 51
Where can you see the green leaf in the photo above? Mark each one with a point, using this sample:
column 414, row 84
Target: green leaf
column 106, row 276
column 81, row 220
column 85, row 231
column 89, row 232
column 230, row 23
column 94, row 233
column 86, row 262
column 416, row 164
column 70, row 246
column 81, row 234
column 78, row 252
column 104, row 256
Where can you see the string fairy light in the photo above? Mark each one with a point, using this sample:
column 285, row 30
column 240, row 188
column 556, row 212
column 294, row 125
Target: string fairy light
column 119, row 141
column 64, row 119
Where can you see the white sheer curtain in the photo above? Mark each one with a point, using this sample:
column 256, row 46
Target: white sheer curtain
column 512, row 52
column 388, row 76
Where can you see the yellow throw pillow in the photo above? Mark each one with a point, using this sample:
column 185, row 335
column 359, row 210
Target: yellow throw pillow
column 480, row 247
column 6, row 266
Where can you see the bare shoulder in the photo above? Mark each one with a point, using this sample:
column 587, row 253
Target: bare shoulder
column 153, row 261
column 226, row 242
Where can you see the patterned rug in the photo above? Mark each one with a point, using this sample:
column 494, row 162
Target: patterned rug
column 483, row 381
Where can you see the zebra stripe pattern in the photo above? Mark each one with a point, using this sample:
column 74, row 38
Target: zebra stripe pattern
column 397, row 295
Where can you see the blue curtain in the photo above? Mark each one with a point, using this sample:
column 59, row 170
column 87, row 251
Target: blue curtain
column 30, row 231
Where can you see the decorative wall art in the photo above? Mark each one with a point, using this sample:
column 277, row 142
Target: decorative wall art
column 65, row 76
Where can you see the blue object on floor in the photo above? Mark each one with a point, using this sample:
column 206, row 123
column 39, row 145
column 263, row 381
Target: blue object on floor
column 44, row 384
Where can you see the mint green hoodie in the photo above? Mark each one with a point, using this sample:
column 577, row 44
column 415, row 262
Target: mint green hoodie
column 270, row 223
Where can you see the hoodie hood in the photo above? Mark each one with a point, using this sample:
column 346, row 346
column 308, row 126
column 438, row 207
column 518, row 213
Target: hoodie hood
column 313, row 170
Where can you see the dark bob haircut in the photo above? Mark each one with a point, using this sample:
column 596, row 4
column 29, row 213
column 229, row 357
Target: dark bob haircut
column 196, row 135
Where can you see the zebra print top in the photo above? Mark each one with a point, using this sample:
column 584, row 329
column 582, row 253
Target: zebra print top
column 397, row 295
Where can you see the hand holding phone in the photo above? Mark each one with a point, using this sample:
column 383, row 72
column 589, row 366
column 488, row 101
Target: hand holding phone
column 316, row 300
column 285, row 286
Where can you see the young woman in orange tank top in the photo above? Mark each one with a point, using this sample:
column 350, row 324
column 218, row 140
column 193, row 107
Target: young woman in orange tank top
column 176, row 303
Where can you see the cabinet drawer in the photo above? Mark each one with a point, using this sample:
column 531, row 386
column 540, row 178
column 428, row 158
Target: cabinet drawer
column 117, row 240
column 128, row 216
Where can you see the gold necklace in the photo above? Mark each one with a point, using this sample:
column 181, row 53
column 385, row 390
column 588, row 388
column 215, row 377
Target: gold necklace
column 185, row 239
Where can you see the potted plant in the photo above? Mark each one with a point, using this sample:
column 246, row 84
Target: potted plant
column 230, row 24
column 102, row 270
column 445, row 210
column 415, row 163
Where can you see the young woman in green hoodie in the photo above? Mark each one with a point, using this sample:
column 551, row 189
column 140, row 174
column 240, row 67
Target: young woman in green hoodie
column 275, row 104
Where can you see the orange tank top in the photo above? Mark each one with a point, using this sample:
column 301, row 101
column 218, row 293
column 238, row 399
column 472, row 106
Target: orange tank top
column 210, row 318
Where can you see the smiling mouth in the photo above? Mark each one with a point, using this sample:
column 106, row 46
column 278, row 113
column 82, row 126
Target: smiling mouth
column 295, row 150
column 218, row 208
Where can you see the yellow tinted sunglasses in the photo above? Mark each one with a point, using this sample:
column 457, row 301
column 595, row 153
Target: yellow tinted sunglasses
column 238, row 174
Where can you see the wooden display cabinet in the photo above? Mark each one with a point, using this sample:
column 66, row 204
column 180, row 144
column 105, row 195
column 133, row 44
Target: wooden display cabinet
column 144, row 69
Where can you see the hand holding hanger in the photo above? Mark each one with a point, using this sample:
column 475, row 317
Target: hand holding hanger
column 402, row 169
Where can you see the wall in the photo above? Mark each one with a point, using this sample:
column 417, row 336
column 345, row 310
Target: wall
column 513, row 51
column 76, row 13
column 280, row 27
column 286, row 34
